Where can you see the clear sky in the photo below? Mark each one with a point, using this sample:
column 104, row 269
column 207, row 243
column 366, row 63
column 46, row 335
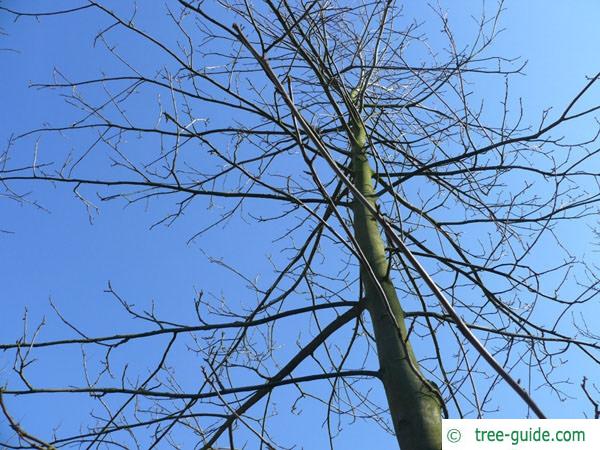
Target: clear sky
column 56, row 254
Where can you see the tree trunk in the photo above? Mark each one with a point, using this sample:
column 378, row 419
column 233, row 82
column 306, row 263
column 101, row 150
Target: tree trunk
column 413, row 402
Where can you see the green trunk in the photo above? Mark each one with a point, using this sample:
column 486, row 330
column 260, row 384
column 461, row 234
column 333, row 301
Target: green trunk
column 414, row 406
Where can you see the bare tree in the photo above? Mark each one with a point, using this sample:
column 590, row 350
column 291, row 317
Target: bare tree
column 409, row 213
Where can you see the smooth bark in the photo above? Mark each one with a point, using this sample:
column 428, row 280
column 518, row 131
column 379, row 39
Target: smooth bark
column 414, row 402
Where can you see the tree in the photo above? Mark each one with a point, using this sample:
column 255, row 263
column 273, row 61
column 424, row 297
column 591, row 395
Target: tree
column 408, row 217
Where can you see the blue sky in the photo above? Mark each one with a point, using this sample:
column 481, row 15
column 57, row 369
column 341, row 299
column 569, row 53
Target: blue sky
column 57, row 254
